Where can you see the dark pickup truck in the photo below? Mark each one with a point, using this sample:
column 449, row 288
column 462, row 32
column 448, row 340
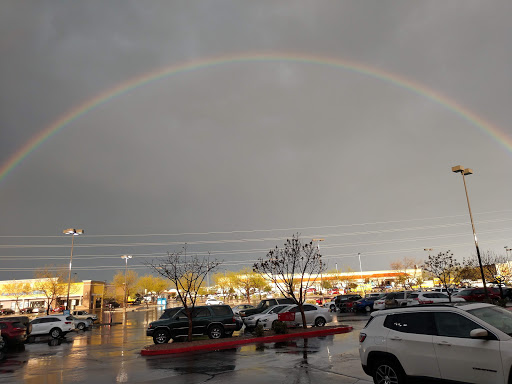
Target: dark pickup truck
column 264, row 304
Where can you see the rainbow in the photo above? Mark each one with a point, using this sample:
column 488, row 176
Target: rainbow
column 413, row 86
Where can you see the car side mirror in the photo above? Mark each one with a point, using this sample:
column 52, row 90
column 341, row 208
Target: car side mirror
column 479, row 333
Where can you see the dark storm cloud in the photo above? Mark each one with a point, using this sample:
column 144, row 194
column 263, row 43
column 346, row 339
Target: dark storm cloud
column 253, row 145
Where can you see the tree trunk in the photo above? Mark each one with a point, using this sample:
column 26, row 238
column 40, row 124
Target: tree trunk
column 189, row 327
column 303, row 315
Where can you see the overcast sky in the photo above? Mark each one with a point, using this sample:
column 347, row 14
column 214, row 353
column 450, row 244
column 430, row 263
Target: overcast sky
column 266, row 148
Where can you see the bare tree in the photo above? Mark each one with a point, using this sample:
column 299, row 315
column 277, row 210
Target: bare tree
column 403, row 268
column 187, row 273
column 294, row 265
column 443, row 267
column 492, row 266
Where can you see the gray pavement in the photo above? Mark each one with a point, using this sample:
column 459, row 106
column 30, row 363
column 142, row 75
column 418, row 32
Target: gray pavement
column 111, row 354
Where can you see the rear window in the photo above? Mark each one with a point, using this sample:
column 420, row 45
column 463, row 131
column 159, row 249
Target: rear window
column 223, row 310
column 418, row 322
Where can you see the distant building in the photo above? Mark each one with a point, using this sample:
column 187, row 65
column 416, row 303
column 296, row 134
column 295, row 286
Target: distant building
column 87, row 294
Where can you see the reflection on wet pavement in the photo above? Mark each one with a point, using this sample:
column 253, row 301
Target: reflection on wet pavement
column 111, row 354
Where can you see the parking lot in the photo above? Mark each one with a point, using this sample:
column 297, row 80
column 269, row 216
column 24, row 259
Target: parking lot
column 111, row 353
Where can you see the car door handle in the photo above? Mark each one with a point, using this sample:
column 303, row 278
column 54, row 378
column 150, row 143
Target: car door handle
column 396, row 338
column 444, row 343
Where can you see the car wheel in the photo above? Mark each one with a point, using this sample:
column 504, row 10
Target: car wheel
column 55, row 333
column 367, row 308
column 388, row 372
column 161, row 336
column 3, row 344
column 332, row 308
column 319, row 322
column 274, row 324
column 80, row 326
column 215, row 332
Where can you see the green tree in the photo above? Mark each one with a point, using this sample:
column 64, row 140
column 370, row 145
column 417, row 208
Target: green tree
column 152, row 285
column 52, row 282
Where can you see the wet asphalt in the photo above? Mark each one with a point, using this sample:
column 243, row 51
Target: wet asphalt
column 111, row 354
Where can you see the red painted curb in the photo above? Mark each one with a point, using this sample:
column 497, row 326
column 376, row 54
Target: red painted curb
column 255, row 340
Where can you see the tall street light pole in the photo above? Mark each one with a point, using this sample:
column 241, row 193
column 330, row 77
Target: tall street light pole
column 73, row 232
column 125, row 257
column 468, row 171
column 321, row 266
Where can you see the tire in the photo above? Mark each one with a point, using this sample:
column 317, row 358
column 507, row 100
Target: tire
column 319, row 322
column 388, row 372
column 215, row 331
column 56, row 333
column 332, row 308
column 80, row 326
column 3, row 343
column 274, row 324
column 161, row 336
column 367, row 309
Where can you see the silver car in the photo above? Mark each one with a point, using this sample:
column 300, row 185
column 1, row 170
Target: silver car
column 251, row 321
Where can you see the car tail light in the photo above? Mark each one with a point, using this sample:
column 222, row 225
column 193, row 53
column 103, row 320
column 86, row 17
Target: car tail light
column 362, row 337
column 234, row 319
column 67, row 322
column 426, row 301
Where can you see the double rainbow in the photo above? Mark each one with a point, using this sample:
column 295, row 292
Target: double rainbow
column 413, row 86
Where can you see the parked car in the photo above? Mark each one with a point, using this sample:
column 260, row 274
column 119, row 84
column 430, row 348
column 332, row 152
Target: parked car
column 417, row 298
column 216, row 321
column 344, row 302
column 315, row 316
column 445, row 290
column 366, row 304
column 264, row 304
column 253, row 320
column 26, row 310
column 56, row 326
column 14, row 330
column 81, row 324
column 112, row 304
column 85, row 315
column 478, row 294
column 60, row 308
column 213, row 302
column 6, row 311
column 392, row 299
column 331, row 305
column 240, row 307
column 464, row 343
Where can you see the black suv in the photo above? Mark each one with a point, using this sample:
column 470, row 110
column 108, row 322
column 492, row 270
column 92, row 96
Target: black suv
column 264, row 304
column 216, row 321
column 341, row 301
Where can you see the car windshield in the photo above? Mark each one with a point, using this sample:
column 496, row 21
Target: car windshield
column 496, row 316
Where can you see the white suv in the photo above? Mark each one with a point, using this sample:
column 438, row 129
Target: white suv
column 54, row 325
column 466, row 343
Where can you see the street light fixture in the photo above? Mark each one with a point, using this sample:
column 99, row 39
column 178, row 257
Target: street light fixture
column 73, row 232
column 125, row 257
column 468, row 171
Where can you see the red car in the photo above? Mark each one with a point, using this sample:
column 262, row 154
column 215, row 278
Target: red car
column 59, row 309
column 478, row 294
column 14, row 330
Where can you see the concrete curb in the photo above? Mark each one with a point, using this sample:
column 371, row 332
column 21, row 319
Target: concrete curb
column 231, row 343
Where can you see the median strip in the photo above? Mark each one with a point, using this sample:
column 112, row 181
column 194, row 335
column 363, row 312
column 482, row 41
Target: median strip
column 226, row 343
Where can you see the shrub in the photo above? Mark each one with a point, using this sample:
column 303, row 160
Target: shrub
column 280, row 327
column 259, row 331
